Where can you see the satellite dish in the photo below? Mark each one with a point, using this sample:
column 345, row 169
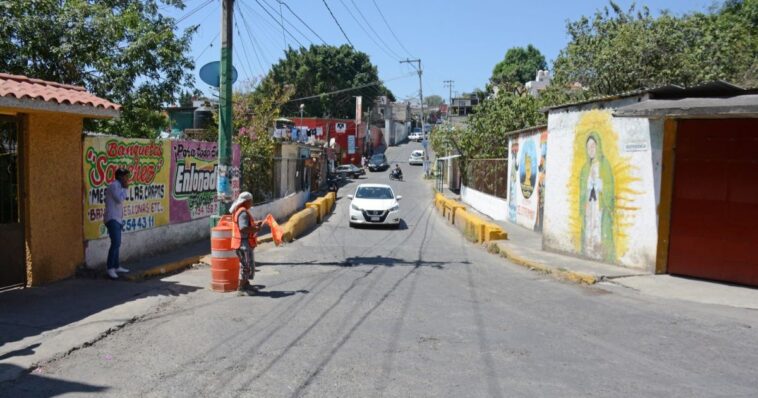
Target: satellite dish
column 211, row 73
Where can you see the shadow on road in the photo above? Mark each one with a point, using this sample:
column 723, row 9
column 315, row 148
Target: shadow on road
column 45, row 386
column 34, row 311
column 375, row 260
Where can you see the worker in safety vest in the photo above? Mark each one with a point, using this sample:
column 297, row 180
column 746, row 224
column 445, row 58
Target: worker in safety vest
column 244, row 239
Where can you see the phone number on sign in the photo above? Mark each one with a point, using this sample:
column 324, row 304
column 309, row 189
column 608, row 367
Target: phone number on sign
column 139, row 223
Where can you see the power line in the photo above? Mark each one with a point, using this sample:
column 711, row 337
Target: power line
column 301, row 20
column 280, row 24
column 360, row 25
column 375, row 83
column 378, row 36
column 193, row 11
column 253, row 41
column 390, row 29
column 289, row 22
column 244, row 48
column 338, row 23
column 208, row 46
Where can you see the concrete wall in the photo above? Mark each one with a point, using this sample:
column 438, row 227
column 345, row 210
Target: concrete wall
column 617, row 221
column 151, row 241
column 53, row 186
column 527, row 157
column 494, row 207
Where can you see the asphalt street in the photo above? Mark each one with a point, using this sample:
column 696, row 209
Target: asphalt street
column 412, row 312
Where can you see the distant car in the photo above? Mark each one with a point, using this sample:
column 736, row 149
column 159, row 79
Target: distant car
column 417, row 157
column 350, row 170
column 374, row 204
column 416, row 136
column 378, row 162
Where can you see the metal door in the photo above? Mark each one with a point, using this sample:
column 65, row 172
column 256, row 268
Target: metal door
column 12, row 256
column 714, row 212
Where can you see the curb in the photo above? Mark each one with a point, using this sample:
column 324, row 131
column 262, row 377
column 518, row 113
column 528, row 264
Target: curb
column 495, row 246
column 564, row 274
column 163, row 269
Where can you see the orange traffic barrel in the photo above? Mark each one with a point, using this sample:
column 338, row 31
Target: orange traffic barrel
column 225, row 264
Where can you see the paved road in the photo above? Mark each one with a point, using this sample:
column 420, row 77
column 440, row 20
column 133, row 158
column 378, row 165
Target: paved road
column 415, row 312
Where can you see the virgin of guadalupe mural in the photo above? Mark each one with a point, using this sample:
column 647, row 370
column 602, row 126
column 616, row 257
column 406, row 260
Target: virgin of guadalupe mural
column 596, row 202
column 512, row 189
column 528, row 168
column 601, row 190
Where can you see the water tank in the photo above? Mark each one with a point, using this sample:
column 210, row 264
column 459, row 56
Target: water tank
column 203, row 117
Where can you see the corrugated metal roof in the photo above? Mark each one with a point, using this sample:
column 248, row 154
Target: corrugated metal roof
column 717, row 88
column 29, row 91
column 738, row 106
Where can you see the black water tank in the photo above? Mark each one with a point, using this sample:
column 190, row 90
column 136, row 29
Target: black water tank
column 203, row 117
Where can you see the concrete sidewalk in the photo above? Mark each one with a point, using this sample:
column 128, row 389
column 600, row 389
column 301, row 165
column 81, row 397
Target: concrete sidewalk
column 41, row 324
column 524, row 247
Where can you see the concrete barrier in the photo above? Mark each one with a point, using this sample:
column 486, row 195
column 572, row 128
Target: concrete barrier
column 473, row 227
column 299, row 223
column 321, row 205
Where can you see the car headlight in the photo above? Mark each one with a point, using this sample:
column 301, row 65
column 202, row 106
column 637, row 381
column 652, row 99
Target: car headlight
column 354, row 207
column 395, row 208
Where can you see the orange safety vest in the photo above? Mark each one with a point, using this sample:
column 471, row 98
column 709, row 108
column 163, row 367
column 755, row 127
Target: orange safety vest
column 237, row 234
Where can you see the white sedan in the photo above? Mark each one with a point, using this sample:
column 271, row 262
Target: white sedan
column 417, row 157
column 374, row 204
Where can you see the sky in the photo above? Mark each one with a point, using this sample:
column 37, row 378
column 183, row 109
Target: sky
column 455, row 40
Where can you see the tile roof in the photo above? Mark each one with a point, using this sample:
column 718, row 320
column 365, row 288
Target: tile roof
column 22, row 87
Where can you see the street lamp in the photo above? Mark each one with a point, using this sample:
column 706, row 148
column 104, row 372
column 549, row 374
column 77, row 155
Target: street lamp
column 302, row 107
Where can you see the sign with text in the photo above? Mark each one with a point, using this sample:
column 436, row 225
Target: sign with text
column 146, row 203
column 194, row 174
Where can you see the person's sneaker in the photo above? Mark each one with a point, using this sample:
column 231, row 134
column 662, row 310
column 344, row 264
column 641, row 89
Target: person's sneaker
column 111, row 273
column 122, row 269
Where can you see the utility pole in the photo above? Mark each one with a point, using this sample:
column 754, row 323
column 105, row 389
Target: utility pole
column 367, row 140
column 420, row 87
column 421, row 97
column 449, row 85
column 223, row 182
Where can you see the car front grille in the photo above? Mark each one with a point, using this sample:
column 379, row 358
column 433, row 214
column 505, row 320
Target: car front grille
column 368, row 214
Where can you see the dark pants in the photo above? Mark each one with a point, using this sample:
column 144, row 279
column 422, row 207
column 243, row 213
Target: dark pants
column 114, row 232
column 247, row 261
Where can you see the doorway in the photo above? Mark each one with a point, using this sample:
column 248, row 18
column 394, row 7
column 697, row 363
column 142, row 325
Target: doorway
column 13, row 264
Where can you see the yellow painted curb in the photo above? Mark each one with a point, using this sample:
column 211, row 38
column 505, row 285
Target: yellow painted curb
column 568, row 275
column 165, row 268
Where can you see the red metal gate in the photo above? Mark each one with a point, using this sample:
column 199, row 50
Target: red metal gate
column 714, row 212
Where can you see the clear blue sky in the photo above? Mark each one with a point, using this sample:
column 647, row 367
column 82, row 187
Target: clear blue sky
column 456, row 40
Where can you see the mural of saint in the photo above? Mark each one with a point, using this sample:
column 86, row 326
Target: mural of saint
column 513, row 181
column 597, row 202
column 528, row 168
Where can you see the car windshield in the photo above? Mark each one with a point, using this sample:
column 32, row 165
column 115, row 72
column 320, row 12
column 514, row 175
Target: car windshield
column 417, row 153
column 377, row 158
column 374, row 193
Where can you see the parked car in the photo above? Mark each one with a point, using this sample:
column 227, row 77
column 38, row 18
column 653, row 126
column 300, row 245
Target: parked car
column 374, row 204
column 378, row 162
column 350, row 170
column 416, row 136
column 417, row 157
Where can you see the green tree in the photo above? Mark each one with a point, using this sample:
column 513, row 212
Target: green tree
column 122, row 50
column 253, row 116
column 321, row 69
column 519, row 66
column 433, row 100
column 617, row 50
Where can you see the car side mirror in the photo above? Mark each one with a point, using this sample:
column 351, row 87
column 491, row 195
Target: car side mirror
column 399, row 197
column 350, row 197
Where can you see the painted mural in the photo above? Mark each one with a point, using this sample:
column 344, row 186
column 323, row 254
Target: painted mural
column 527, row 157
column 171, row 181
column 600, row 190
column 147, row 201
column 194, row 170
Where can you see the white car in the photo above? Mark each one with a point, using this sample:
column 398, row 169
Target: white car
column 417, row 157
column 416, row 136
column 374, row 204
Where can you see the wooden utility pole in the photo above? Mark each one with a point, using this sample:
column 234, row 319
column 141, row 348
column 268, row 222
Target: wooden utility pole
column 223, row 182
